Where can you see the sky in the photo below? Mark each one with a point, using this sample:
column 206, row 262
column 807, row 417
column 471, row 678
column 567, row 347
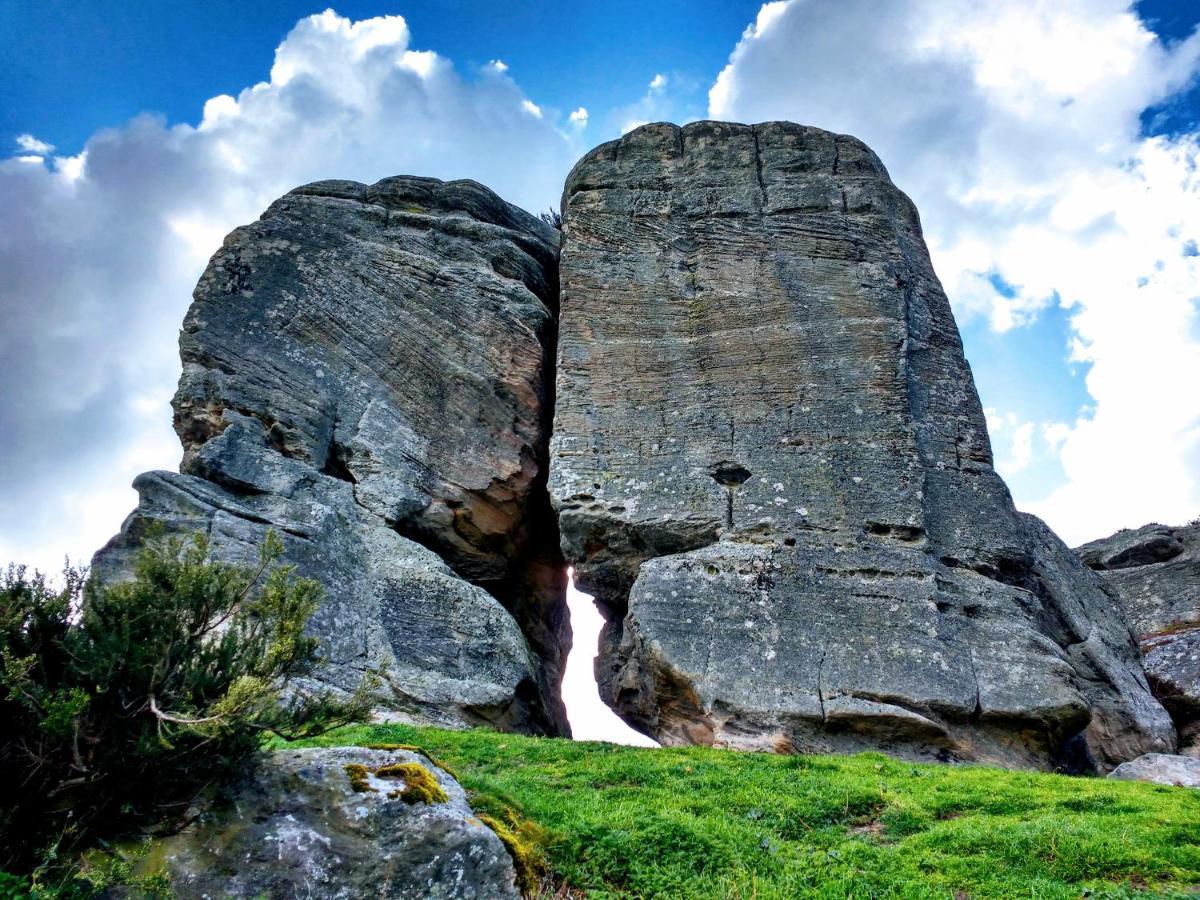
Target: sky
column 1050, row 145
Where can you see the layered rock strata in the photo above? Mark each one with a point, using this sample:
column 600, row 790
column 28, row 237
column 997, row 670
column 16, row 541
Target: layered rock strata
column 367, row 371
column 1155, row 571
column 772, row 471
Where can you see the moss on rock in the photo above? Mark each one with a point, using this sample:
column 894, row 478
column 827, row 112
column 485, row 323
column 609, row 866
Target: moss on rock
column 420, row 786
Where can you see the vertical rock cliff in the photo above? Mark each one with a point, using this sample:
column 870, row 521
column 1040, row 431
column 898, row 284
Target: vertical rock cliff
column 771, row 469
column 367, row 370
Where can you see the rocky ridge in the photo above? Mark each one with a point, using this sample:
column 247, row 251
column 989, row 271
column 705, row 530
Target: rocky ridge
column 772, row 470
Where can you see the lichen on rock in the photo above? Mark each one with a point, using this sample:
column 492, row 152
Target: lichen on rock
column 330, row 822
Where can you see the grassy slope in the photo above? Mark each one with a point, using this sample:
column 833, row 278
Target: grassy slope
column 695, row 822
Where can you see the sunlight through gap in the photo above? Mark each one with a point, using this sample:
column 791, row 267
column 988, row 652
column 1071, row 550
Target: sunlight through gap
column 591, row 719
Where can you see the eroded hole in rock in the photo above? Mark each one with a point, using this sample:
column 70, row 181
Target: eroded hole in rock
column 730, row 474
column 591, row 719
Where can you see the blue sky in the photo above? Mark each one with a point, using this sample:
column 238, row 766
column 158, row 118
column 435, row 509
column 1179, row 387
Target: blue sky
column 1048, row 147
column 73, row 67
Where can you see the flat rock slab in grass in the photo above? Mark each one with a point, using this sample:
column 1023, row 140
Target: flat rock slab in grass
column 1161, row 768
column 332, row 823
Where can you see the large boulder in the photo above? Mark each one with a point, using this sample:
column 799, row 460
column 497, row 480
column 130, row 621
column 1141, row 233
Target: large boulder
column 340, row 823
column 366, row 369
column 1160, row 768
column 1155, row 571
column 772, row 471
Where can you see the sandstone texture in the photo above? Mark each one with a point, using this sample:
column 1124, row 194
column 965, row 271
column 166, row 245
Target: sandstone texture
column 1160, row 768
column 367, row 370
column 303, row 826
column 772, row 471
column 1155, row 571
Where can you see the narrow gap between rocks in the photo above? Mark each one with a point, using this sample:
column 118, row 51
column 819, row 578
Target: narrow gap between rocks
column 591, row 719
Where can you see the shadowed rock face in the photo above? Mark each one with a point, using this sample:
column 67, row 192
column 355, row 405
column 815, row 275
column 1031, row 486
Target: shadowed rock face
column 771, row 469
column 366, row 369
column 1155, row 570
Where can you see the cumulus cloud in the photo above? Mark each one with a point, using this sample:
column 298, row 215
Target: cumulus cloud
column 1016, row 128
column 30, row 144
column 579, row 117
column 100, row 250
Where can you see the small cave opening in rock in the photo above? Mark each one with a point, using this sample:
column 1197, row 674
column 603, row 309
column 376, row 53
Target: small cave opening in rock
column 591, row 719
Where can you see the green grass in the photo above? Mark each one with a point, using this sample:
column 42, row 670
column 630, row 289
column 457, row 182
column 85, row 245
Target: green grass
column 694, row 822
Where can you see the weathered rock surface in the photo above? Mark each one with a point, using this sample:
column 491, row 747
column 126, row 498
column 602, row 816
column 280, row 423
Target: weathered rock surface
column 772, row 470
column 367, row 370
column 1155, row 571
column 1160, row 768
column 298, row 828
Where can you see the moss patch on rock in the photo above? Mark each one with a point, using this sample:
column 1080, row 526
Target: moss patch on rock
column 419, row 784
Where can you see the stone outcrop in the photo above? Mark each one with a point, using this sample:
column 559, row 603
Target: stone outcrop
column 1155, row 571
column 336, row 823
column 367, row 371
column 1160, row 768
column 772, row 471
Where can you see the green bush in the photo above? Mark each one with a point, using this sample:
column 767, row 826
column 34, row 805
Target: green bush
column 120, row 703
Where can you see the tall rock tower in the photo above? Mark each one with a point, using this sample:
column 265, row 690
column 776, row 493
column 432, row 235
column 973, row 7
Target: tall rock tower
column 771, row 469
column 367, row 371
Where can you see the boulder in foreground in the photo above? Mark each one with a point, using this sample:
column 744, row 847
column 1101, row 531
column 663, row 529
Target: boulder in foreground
column 340, row 823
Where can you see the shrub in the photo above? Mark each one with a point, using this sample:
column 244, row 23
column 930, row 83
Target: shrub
column 119, row 703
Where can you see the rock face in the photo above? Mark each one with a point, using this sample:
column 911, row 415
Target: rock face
column 1160, row 768
column 1155, row 570
column 367, row 370
column 771, row 469
column 333, row 823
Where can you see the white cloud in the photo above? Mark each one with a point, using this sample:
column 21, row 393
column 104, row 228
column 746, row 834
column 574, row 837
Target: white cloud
column 30, row 144
column 1016, row 129
column 668, row 98
column 100, row 250
column 1012, row 441
column 579, row 117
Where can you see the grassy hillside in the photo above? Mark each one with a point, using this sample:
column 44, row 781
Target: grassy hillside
column 611, row 821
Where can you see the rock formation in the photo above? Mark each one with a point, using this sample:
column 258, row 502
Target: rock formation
column 771, row 469
column 769, row 463
column 1155, row 571
column 367, row 371
column 334, row 823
